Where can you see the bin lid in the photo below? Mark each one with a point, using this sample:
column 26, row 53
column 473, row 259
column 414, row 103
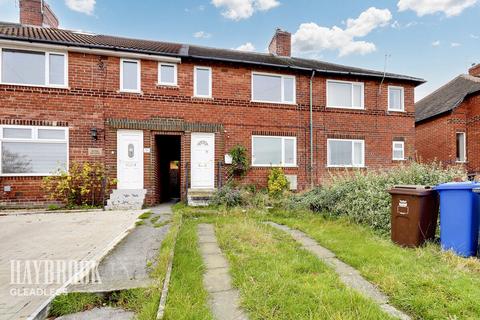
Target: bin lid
column 406, row 189
column 468, row 185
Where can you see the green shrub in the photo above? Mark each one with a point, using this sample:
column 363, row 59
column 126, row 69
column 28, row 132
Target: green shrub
column 228, row 196
column 363, row 196
column 80, row 186
column 240, row 164
column 277, row 182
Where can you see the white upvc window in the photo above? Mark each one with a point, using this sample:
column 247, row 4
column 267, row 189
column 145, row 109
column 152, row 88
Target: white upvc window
column 345, row 153
column 130, row 75
column 344, row 94
column 396, row 99
column 202, row 82
column 33, row 150
column 33, row 68
column 167, row 74
column 268, row 151
column 461, row 143
column 273, row 88
column 398, row 150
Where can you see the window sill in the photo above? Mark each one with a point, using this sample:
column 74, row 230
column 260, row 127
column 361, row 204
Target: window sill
column 168, row 86
column 34, row 86
column 274, row 166
column 399, row 159
column 345, row 108
column 345, row 167
column 270, row 102
column 461, row 162
column 130, row 92
column 202, row 98
column 396, row 111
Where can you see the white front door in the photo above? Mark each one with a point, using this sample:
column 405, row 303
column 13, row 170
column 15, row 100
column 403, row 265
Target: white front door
column 129, row 159
column 203, row 160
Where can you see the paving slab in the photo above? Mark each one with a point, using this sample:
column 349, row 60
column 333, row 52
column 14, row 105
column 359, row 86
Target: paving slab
column 347, row 274
column 59, row 236
column 224, row 300
column 128, row 265
column 100, row 314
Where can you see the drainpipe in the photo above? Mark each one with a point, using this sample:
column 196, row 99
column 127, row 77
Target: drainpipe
column 311, row 128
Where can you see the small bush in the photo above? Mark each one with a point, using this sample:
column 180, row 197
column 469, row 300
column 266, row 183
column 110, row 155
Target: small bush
column 363, row 196
column 228, row 196
column 240, row 164
column 277, row 182
column 80, row 186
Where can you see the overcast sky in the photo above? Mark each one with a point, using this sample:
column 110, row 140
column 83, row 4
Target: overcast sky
column 432, row 39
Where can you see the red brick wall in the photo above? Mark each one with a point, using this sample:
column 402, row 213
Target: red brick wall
column 94, row 96
column 436, row 138
column 31, row 14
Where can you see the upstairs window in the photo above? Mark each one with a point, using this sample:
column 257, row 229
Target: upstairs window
column 345, row 153
column 461, row 147
column 342, row 94
column 33, row 68
column 396, row 99
column 167, row 74
column 33, row 151
column 398, row 150
column 274, row 151
column 273, row 88
column 202, row 82
column 129, row 75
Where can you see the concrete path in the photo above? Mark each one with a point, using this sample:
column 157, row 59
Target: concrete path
column 349, row 276
column 224, row 299
column 44, row 238
column 100, row 314
column 129, row 264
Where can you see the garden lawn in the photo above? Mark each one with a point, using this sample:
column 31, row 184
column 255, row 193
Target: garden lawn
column 426, row 282
column 275, row 277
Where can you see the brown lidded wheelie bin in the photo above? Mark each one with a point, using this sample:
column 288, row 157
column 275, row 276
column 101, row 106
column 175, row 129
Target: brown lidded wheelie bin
column 414, row 214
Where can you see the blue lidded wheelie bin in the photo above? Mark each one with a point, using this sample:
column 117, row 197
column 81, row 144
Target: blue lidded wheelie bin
column 459, row 217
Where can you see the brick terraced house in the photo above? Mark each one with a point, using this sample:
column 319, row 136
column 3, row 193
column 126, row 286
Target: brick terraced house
column 149, row 110
column 447, row 123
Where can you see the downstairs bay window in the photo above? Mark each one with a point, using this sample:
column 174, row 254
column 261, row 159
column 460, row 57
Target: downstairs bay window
column 345, row 153
column 33, row 151
column 270, row 151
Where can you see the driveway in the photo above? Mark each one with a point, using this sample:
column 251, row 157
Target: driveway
column 39, row 253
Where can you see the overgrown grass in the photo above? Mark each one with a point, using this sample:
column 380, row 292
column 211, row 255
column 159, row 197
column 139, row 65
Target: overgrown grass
column 425, row 282
column 74, row 302
column 145, row 215
column 187, row 298
column 279, row 280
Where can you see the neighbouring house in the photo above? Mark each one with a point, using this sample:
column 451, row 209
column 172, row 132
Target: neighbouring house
column 447, row 123
column 152, row 111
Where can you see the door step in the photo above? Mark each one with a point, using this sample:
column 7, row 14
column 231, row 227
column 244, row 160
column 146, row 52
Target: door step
column 199, row 197
column 126, row 199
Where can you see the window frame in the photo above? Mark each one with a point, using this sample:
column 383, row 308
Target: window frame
column 353, row 165
column 195, row 93
column 175, row 75
column 47, row 54
column 393, row 150
column 34, row 138
column 352, row 83
column 402, row 98
column 282, row 164
column 139, row 67
column 282, row 87
column 464, row 147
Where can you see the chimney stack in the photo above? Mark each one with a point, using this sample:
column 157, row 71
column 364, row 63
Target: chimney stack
column 474, row 70
column 37, row 13
column 281, row 43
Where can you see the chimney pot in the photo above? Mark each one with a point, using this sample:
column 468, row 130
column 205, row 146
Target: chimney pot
column 37, row 13
column 281, row 43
